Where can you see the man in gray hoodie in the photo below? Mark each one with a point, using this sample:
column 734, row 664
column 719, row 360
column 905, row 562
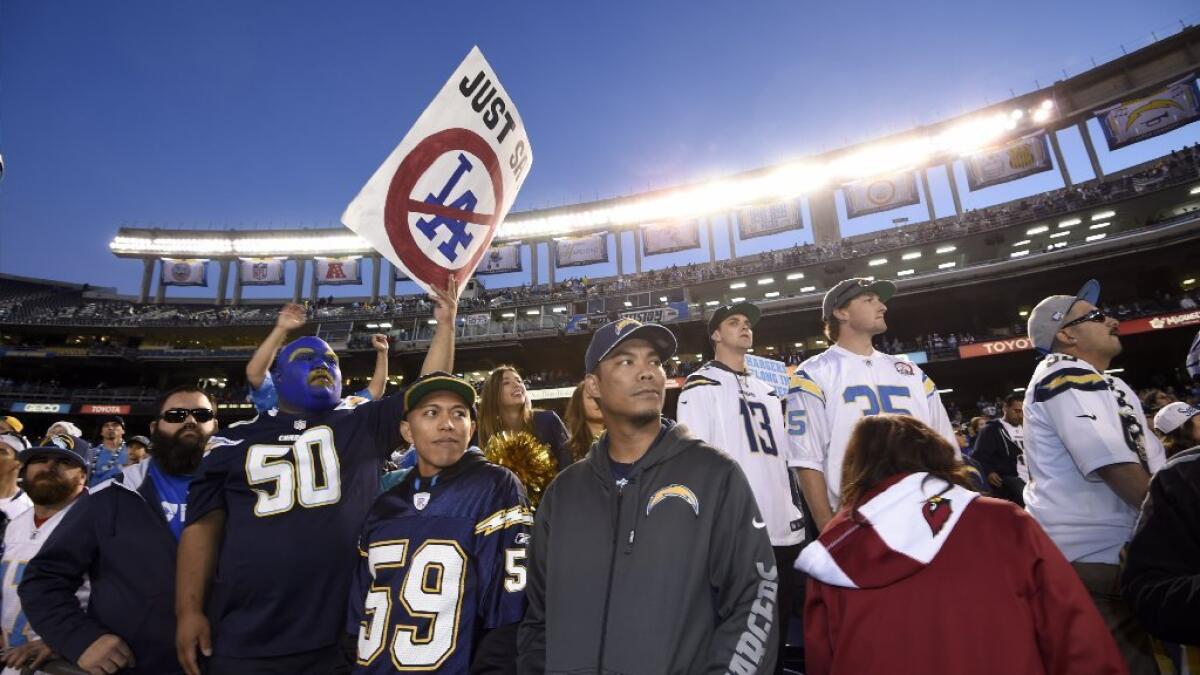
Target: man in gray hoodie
column 650, row 555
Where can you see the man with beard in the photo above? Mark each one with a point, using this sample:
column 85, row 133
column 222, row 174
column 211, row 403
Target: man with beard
column 274, row 513
column 123, row 538
column 55, row 474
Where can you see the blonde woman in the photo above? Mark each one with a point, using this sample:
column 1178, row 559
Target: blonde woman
column 506, row 406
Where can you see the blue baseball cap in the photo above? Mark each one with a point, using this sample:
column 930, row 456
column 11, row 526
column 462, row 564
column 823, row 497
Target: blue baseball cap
column 62, row 446
column 615, row 332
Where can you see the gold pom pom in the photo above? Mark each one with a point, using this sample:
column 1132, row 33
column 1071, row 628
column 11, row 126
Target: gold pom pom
column 527, row 457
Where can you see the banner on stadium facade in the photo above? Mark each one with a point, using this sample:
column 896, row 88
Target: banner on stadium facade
column 774, row 373
column 994, row 347
column 337, row 271
column 260, row 271
column 1168, row 108
column 500, row 259
column 876, row 195
column 670, row 237
column 586, row 250
column 675, row 311
column 434, row 205
column 758, row 221
column 477, row 319
column 1018, row 159
column 22, row 407
column 104, row 409
column 1160, row 322
column 184, row 272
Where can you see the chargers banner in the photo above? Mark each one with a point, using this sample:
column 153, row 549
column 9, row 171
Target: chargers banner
column 1168, row 108
column 885, row 193
column 585, row 250
column 260, row 271
column 670, row 237
column 675, row 311
column 184, row 272
column 337, row 271
column 757, row 221
column 1023, row 157
column 503, row 258
column 434, row 205
column 774, row 373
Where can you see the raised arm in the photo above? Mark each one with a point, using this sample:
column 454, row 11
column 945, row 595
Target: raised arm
column 441, row 351
column 290, row 318
column 379, row 378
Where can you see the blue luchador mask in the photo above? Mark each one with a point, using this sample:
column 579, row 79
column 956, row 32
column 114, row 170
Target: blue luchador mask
column 307, row 375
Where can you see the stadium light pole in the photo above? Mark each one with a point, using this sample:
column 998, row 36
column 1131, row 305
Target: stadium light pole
column 954, row 188
column 928, row 194
column 376, row 263
column 552, row 258
column 730, row 218
column 637, row 250
column 147, row 277
column 1058, row 157
column 298, row 290
column 712, row 244
column 1091, row 150
column 533, row 263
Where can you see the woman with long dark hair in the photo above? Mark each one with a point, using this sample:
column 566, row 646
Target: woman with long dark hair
column 505, row 406
column 585, row 423
column 918, row 574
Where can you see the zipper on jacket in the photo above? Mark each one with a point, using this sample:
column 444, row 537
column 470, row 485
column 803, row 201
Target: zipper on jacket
column 612, row 564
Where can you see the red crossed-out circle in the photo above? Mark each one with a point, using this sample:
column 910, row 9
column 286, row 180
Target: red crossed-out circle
column 400, row 204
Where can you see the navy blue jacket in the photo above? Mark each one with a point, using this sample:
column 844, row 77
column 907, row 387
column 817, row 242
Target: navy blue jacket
column 117, row 538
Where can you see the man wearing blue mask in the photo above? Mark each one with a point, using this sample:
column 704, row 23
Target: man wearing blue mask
column 274, row 511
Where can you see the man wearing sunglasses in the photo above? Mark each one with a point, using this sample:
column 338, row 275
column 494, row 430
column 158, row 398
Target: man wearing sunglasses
column 1089, row 453
column 123, row 539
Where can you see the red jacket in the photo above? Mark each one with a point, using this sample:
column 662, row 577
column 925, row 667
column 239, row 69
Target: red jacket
column 935, row 580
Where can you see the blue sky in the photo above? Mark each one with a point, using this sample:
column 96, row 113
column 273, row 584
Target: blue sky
column 273, row 114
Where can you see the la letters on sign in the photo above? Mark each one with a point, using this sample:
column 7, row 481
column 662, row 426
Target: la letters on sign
column 434, row 205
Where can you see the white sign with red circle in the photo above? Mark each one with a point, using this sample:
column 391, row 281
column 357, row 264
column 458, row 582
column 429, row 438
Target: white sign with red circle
column 433, row 207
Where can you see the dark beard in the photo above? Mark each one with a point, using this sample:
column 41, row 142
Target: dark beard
column 49, row 489
column 177, row 455
column 645, row 419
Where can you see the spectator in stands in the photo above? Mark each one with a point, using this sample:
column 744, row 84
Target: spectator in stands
column 506, row 406
column 55, row 475
column 973, row 428
column 292, row 317
column 129, row 622
column 1179, row 427
column 1000, row 452
column 1090, row 458
column 585, row 422
column 138, row 448
column 1154, row 400
column 13, row 500
column 112, row 453
column 1161, row 577
column 907, row 505
column 64, row 428
column 11, row 425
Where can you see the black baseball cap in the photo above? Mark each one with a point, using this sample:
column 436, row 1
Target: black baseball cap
column 849, row 289
column 615, row 332
column 145, row 442
column 62, row 446
column 438, row 381
column 113, row 418
column 723, row 312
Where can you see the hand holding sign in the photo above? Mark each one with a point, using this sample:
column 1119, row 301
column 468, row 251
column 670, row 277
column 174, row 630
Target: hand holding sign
column 433, row 207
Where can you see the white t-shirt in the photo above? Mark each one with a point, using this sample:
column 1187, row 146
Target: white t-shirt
column 22, row 541
column 16, row 505
column 1017, row 436
column 830, row 392
column 743, row 417
column 1078, row 420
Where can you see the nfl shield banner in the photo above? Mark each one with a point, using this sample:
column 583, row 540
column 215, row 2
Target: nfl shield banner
column 670, row 237
column 502, row 258
column 585, row 250
column 1166, row 109
column 1023, row 157
column 880, row 194
column 337, row 271
column 260, row 271
column 757, row 221
column 184, row 272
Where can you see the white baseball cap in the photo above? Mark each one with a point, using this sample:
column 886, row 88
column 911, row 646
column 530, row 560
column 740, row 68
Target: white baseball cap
column 1173, row 415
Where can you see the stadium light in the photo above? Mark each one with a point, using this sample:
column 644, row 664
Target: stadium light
column 947, row 265
column 1059, row 244
column 772, row 294
column 911, row 256
column 807, row 289
column 795, row 275
column 1114, row 371
column 372, row 325
column 945, row 391
column 770, row 348
column 905, row 273
column 820, row 343
column 662, row 298
column 946, row 249
column 699, row 356
column 385, row 324
column 877, row 262
column 738, row 299
column 712, row 303
column 1103, row 215
column 736, row 285
column 532, row 312
column 1056, row 235
column 1099, row 226
column 1095, row 237
column 432, row 322
column 869, row 278
column 1023, row 312
column 1023, row 242
column 558, row 310
column 1070, row 223
column 508, row 315
column 797, row 344
column 1195, row 190
column 1037, row 230
column 1019, row 254
column 1189, row 282
column 766, row 280
column 628, row 303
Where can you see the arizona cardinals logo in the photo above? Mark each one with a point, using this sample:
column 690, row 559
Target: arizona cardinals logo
column 936, row 511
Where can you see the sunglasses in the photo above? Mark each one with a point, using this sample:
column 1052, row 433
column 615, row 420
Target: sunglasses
column 1097, row 315
column 179, row 415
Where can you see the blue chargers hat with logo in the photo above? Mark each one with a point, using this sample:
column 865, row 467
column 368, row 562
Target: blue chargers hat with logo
column 62, row 446
column 614, row 333
column 1051, row 313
